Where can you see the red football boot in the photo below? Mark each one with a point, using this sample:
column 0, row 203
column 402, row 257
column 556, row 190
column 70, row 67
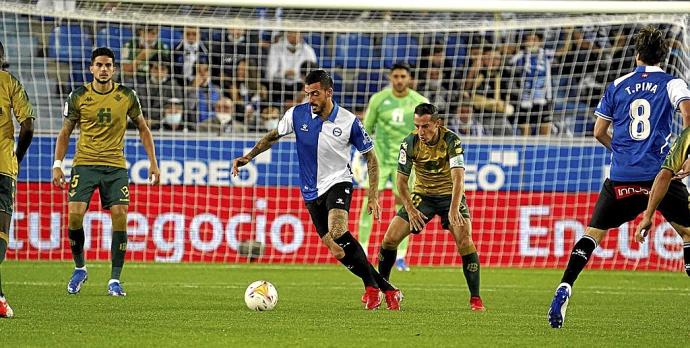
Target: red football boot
column 393, row 299
column 373, row 297
column 476, row 304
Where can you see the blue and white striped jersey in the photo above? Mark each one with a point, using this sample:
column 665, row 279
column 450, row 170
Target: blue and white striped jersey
column 324, row 149
column 641, row 106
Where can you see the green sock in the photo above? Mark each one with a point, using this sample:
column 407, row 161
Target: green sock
column 470, row 267
column 402, row 247
column 118, row 248
column 76, row 244
column 365, row 222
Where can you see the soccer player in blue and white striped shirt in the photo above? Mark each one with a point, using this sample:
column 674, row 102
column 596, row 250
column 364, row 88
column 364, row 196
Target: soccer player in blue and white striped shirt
column 324, row 136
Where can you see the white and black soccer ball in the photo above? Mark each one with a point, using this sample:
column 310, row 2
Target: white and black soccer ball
column 261, row 296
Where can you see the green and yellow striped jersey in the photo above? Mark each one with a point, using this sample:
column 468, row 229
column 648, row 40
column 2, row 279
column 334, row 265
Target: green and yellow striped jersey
column 13, row 101
column 102, row 118
column 431, row 163
column 679, row 152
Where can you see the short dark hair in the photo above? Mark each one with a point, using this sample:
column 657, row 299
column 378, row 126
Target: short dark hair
column 650, row 45
column 403, row 66
column 427, row 109
column 320, row 76
column 102, row 51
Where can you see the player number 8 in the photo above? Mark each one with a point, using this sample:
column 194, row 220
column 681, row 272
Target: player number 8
column 639, row 126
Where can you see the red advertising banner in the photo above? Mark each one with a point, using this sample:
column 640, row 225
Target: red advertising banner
column 208, row 224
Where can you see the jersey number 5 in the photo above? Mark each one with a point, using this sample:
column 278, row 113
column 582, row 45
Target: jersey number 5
column 639, row 113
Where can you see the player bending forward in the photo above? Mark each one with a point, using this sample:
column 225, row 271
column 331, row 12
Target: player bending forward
column 437, row 156
column 324, row 136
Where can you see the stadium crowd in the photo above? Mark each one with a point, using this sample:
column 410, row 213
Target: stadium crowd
column 510, row 82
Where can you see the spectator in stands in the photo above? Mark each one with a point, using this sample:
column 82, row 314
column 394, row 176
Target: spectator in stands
column 235, row 44
column 224, row 110
column 246, row 91
column 489, row 92
column 532, row 72
column 465, row 121
column 201, row 99
column 286, row 56
column 157, row 89
column 434, row 56
column 173, row 115
column 137, row 52
column 270, row 115
column 187, row 53
column 432, row 87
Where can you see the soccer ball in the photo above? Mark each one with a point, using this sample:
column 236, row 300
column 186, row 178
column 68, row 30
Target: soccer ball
column 261, row 296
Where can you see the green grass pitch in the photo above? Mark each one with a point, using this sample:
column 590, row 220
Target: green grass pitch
column 202, row 305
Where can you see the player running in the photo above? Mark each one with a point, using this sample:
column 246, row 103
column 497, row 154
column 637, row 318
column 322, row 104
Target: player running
column 324, row 135
column 640, row 106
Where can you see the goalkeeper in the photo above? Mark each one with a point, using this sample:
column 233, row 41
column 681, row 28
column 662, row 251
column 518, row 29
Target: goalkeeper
column 389, row 117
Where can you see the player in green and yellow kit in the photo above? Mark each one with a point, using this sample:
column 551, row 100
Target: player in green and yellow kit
column 676, row 166
column 439, row 189
column 389, row 118
column 101, row 109
column 13, row 101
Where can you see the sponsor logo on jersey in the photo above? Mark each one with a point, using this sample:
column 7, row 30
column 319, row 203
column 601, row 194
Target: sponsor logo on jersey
column 402, row 159
column 630, row 190
column 88, row 99
column 339, row 201
column 304, row 127
column 337, row 131
column 118, row 97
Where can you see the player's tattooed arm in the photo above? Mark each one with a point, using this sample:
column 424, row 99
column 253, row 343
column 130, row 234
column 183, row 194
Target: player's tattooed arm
column 373, row 171
column 373, row 207
column 262, row 145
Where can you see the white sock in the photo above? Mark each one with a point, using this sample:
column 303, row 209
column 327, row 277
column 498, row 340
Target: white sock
column 81, row 268
column 567, row 286
column 113, row 281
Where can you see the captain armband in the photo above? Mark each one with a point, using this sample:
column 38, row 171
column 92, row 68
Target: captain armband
column 457, row 161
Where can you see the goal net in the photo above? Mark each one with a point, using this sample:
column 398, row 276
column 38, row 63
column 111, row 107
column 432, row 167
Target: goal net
column 213, row 79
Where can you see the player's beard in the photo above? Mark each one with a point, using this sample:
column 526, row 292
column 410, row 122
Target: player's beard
column 103, row 82
column 316, row 109
column 400, row 89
